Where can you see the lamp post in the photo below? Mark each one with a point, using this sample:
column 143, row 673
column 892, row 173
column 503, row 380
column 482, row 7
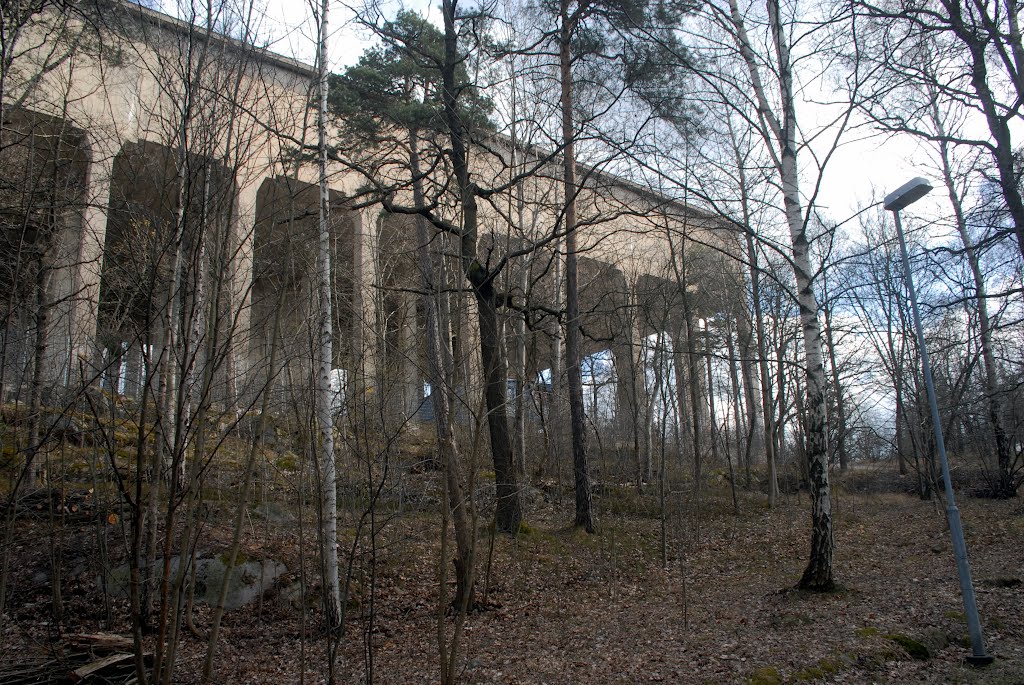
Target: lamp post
column 905, row 195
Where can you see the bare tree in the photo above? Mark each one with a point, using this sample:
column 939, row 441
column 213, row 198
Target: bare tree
column 967, row 54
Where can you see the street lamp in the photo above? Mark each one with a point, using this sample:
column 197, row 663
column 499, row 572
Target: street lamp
column 905, row 195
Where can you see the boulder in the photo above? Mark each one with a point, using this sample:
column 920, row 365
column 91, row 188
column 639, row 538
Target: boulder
column 248, row 579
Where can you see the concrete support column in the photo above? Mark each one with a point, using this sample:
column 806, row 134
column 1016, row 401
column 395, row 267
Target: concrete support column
column 134, row 369
column 61, row 291
column 629, row 390
column 241, row 361
column 365, row 299
column 409, row 339
column 88, row 266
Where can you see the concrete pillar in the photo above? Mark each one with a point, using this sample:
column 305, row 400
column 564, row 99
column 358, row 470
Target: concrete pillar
column 365, row 296
column 61, row 287
column 629, row 390
column 134, row 369
column 409, row 350
column 239, row 305
column 88, row 266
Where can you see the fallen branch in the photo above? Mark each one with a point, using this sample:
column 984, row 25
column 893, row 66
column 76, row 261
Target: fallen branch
column 83, row 672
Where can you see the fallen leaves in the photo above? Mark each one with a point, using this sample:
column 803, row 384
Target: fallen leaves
column 563, row 607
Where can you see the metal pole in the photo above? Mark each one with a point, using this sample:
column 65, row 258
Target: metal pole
column 978, row 656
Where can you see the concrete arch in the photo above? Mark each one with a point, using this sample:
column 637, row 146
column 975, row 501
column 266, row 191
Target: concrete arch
column 284, row 271
column 168, row 235
column 44, row 170
column 630, row 238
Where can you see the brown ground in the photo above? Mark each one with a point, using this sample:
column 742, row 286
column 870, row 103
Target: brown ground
column 564, row 607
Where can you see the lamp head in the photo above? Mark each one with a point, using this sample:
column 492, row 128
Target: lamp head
column 907, row 194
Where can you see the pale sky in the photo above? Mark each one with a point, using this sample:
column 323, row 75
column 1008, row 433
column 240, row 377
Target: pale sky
column 290, row 22
column 858, row 172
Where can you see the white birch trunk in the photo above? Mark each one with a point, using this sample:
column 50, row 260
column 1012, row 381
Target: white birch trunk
column 818, row 574
column 325, row 354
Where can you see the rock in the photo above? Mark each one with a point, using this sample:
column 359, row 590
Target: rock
column 291, row 596
column 247, row 579
column 274, row 513
column 248, row 426
column 73, row 430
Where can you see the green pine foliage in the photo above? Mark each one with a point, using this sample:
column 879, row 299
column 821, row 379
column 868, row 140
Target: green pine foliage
column 396, row 87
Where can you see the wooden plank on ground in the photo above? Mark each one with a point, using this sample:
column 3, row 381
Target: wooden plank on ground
column 100, row 641
column 83, row 672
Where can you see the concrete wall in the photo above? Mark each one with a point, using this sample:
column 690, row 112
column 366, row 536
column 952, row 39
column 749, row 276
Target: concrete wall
column 163, row 113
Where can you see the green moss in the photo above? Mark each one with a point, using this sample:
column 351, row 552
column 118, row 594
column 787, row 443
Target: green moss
column 526, row 529
column 955, row 615
column 287, row 462
column 808, row 674
column 225, row 558
column 867, row 631
column 9, row 457
column 911, row 646
column 766, row 675
column 822, row 669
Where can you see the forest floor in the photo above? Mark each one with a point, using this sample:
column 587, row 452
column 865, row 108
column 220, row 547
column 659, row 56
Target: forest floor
column 560, row 606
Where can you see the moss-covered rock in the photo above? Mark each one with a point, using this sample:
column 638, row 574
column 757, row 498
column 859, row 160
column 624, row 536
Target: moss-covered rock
column 766, row 675
column 911, row 646
column 819, row 671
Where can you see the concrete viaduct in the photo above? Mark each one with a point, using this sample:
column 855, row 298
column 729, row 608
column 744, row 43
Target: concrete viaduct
column 130, row 126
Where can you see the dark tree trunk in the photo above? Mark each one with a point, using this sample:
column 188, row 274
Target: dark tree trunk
column 840, row 447
column 508, row 513
column 439, row 371
column 584, row 505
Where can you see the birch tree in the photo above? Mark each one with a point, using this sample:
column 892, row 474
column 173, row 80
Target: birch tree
column 325, row 350
column 776, row 123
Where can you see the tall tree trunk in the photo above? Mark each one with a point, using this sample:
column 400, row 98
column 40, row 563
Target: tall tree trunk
column 767, row 409
column 712, row 417
column 508, row 512
column 35, row 421
column 1004, row 485
column 737, row 411
column 584, row 505
column 818, row 574
column 767, row 406
column 517, row 208
column 748, row 373
column 692, row 421
column 325, row 353
column 439, row 370
column 693, row 377
column 901, row 459
column 840, row 448
column 683, row 427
